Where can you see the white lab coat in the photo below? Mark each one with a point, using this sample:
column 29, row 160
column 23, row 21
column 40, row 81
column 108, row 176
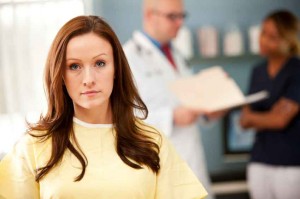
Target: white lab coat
column 153, row 73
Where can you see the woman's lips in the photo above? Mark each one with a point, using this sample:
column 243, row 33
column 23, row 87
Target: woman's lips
column 90, row 93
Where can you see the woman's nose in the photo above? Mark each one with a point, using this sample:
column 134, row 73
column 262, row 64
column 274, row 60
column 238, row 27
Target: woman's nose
column 89, row 77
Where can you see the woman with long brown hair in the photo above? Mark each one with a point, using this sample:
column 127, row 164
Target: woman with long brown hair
column 274, row 171
column 90, row 144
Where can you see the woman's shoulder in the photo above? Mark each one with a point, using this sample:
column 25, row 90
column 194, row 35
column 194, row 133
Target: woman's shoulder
column 31, row 142
column 174, row 169
column 294, row 64
column 295, row 59
column 28, row 147
column 150, row 131
column 35, row 136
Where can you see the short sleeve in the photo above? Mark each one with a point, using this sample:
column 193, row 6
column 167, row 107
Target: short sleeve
column 292, row 91
column 17, row 172
column 175, row 179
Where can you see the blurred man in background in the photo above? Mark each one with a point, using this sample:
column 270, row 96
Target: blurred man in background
column 155, row 63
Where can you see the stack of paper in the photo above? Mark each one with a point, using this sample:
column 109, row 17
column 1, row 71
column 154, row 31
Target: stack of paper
column 212, row 90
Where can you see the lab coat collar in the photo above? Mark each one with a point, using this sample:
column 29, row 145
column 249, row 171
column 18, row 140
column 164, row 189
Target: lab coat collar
column 160, row 60
column 155, row 42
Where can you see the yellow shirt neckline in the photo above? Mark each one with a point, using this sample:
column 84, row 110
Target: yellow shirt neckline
column 89, row 125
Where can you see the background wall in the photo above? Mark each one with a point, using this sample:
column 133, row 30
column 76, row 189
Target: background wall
column 125, row 16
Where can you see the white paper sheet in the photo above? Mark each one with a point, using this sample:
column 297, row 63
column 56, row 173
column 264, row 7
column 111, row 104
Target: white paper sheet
column 212, row 90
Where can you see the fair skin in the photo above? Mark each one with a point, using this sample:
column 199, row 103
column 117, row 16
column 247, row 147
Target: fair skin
column 162, row 21
column 273, row 47
column 89, row 77
column 157, row 21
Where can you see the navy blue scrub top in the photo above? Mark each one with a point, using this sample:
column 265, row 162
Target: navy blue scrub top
column 277, row 147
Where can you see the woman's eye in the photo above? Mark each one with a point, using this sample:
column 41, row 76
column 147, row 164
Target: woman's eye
column 74, row 66
column 100, row 63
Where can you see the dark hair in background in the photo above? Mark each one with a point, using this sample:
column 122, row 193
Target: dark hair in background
column 133, row 145
column 288, row 26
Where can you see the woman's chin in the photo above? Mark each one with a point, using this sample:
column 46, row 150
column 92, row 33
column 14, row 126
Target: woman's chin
column 263, row 53
column 91, row 105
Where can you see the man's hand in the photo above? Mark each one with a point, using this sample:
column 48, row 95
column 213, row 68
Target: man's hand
column 215, row 115
column 184, row 116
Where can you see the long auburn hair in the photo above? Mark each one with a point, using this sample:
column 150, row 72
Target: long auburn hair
column 288, row 27
column 134, row 145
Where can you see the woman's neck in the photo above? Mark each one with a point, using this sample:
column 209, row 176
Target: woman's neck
column 276, row 63
column 102, row 115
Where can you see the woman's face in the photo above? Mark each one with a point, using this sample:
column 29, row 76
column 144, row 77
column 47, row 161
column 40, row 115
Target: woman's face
column 89, row 72
column 271, row 43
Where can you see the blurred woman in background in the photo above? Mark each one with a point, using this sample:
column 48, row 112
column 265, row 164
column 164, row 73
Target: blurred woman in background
column 274, row 171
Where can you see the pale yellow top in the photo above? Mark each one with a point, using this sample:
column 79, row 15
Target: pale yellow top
column 106, row 177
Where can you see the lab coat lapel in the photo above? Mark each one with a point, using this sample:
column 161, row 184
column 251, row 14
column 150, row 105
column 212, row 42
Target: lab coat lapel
column 158, row 61
column 181, row 64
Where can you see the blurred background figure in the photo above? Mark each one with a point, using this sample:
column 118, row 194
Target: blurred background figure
column 155, row 63
column 274, row 171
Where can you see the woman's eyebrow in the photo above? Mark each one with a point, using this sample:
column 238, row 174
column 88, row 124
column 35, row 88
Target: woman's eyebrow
column 72, row 59
column 99, row 55
column 92, row 58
